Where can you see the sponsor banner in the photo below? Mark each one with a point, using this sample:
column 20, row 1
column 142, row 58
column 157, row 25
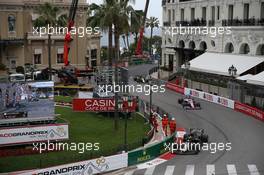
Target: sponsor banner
column 149, row 153
column 89, row 167
column 254, row 112
column 25, row 135
column 175, row 88
column 99, row 105
column 210, row 97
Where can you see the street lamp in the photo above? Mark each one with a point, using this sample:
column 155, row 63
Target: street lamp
column 150, row 96
column 129, row 103
column 232, row 71
column 187, row 66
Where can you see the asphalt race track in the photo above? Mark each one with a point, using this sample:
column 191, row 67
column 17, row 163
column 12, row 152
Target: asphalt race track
column 223, row 125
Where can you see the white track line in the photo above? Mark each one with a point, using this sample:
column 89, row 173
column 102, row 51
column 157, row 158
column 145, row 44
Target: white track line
column 253, row 170
column 231, row 169
column 149, row 171
column 189, row 170
column 169, row 170
column 210, row 169
column 130, row 172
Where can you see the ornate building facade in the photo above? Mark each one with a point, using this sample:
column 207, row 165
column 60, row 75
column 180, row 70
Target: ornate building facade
column 245, row 19
column 19, row 45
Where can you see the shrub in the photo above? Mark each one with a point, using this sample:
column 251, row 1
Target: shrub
column 20, row 70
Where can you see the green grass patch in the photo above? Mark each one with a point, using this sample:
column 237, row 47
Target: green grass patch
column 83, row 128
column 66, row 99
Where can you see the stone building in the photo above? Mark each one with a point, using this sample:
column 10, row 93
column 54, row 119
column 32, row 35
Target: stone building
column 244, row 17
column 19, row 45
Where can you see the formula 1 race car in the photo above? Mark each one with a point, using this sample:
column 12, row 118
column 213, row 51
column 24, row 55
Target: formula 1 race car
column 192, row 142
column 12, row 115
column 140, row 79
column 189, row 103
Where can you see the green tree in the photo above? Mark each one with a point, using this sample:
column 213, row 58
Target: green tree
column 20, row 70
column 49, row 15
column 136, row 20
column 102, row 16
column 152, row 22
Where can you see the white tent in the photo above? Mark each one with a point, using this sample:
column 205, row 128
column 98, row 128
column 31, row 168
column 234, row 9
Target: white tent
column 218, row 63
column 257, row 79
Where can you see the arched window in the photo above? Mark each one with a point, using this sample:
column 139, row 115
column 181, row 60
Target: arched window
column 181, row 44
column 244, row 49
column 260, row 49
column 11, row 23
column 203, row 46
column 191, row 45
column 229, row 48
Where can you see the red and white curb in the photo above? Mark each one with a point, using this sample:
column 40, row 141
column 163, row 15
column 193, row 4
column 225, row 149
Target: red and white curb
column 163, row 158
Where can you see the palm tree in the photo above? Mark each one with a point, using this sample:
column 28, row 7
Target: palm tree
column 103, row 17
column 152, row 22
column 136, row 20
column 49, row 15
column 121, row 21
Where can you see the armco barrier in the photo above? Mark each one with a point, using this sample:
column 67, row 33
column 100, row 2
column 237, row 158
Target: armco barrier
column 237, row 106
column 175, row 88
column 95, row 166
column 251, row 111
column 149, row 153
column 210, row 97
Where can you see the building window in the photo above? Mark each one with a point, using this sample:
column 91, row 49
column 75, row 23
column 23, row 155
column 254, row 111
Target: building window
column 182, row 14
column 218, row 12
column 11, row 23
column 229, row 48
column 246, row 11
column 212, row 13
column 204, row 13
column 169, row 15
column 173, row 15
column 262, row 11
column 12, row 64
column 230, row 12
column 244, row 49
column 192, row 14
column 37, row 58
column 60, row 58
column 94, row 58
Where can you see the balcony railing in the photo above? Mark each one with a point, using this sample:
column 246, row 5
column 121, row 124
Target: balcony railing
column 196, row 22
column 166, row 23
column 245, row 22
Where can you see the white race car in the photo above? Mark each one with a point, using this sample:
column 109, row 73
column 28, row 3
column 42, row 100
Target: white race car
column 189, row 103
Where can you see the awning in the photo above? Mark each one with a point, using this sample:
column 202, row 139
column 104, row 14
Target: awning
column 245, row 77
column 218, row 63
column 257, row 79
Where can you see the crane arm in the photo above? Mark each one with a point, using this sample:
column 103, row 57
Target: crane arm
column 70, row 24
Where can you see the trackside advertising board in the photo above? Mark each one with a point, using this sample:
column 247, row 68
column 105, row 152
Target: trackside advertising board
column 30, row 134
column 210, row 97
column 98, row 105
column 149, row 153
column 254, row 112
column 175, row 87
column 89, row 167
